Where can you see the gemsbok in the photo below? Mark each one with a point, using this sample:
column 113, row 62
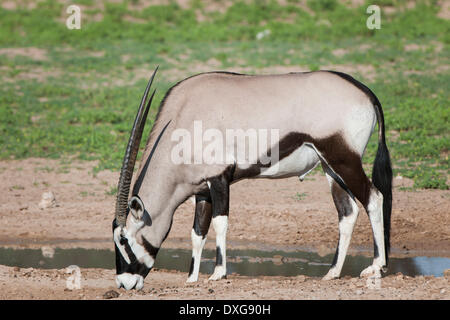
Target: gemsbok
column 324, row 117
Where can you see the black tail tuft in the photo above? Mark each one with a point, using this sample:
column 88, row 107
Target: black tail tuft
column 382, row 180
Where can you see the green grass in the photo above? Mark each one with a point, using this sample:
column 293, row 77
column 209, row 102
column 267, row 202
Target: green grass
column 81, row 99
column 300, row 196
column 112, row 191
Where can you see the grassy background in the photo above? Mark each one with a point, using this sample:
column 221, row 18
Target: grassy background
column 67, row 93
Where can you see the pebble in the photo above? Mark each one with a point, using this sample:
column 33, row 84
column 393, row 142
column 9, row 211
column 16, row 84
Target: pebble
column 399, row 276
column 447, row 273
column 47, row 200
column 111, row 294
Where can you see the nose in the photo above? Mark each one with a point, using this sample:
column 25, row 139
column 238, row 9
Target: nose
column 130, row 281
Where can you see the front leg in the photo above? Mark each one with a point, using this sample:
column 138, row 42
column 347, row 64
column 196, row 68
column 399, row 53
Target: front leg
column 220, row 195
column 202, row 221
column 220, row 224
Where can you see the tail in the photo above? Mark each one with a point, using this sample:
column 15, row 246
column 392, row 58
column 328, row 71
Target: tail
column 382, row 177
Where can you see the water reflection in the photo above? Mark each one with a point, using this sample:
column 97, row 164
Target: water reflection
column 242, row 262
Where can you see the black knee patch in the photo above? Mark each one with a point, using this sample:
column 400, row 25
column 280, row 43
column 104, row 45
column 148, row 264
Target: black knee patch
column 335, row 256
column 191, row 268
column 342, row 203
column 219, row 260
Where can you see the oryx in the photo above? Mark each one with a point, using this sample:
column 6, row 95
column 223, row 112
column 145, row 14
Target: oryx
column 322, row 117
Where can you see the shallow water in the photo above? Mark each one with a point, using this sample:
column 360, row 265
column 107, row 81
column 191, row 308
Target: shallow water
column 242, row 262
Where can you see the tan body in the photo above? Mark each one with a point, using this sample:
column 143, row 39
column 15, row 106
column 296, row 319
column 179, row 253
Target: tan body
column 319, row 104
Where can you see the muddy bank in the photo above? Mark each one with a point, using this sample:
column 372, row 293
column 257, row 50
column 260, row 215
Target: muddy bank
column 161, row 284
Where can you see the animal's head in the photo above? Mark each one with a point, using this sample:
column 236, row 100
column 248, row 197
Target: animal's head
column 134, row 254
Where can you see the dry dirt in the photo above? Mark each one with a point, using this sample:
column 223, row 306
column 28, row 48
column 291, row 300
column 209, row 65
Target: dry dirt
column 18, row 283
column 272, row 214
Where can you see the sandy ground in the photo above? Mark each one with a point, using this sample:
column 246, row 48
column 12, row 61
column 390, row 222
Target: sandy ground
column 162, row 284
column 265, row 214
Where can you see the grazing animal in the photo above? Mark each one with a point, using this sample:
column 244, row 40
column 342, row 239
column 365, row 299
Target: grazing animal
column 321, row 117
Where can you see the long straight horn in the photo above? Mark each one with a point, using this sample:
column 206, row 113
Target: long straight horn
column 126, row 173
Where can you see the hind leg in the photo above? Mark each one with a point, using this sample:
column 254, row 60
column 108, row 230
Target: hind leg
column 374, row 209
column 362, row 188
column 202, row 221
column 344, row 165
column 347, row 213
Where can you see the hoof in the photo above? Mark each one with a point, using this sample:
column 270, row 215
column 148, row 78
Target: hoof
column 219, row 273
column 372, row 271
column 192, row 279
column 331, row 275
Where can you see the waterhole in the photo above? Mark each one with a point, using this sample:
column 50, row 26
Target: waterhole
column 241, row 262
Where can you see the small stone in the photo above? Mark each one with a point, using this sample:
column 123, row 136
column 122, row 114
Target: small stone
column 48, row 200
column 399, row 276
column 447, row 273
column 16, row 269
column 111, row 294
column 210, row 290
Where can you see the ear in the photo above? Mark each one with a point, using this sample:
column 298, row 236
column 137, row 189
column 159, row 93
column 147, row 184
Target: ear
column 136, row 207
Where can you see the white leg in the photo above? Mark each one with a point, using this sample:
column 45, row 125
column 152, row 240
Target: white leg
column 220, row 224
column 198, row 242
column 348, row 213
column 375, row 211
column 346, row 225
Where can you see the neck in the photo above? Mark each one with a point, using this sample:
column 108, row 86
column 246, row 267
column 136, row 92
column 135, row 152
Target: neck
column 161, row 195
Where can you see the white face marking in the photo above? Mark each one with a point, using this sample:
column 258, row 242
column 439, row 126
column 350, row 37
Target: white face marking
column 298, row 163
column 130, row 281
column 139, row 251
column 130, row 234
column 121, row 247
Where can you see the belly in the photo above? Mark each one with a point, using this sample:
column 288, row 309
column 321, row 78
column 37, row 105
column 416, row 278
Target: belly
column 298, row 163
